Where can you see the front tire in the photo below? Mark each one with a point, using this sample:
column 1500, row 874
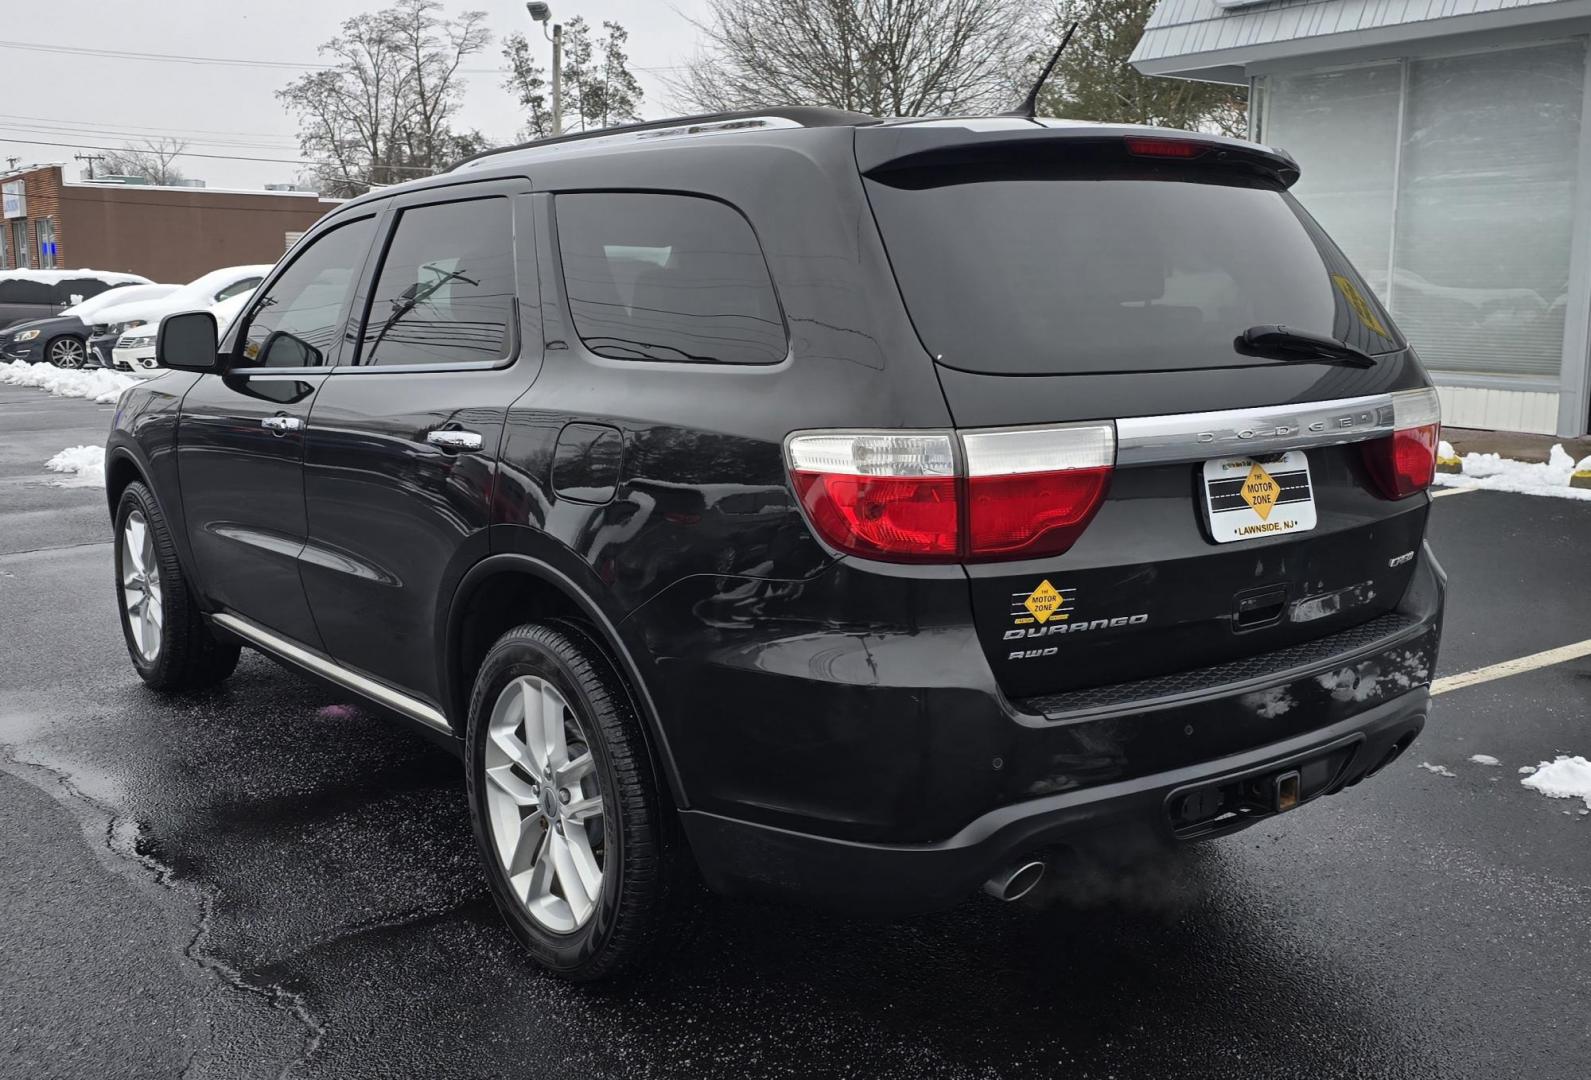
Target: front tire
column 569, row 818
column 66, row 352
column 170, row 645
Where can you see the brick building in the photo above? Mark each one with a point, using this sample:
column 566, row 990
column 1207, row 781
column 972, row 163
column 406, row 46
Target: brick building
column 164, row 233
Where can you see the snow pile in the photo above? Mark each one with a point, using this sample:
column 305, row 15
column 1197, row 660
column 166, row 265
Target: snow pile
column 1565, row 778
column 1493, row 472
column 1484, row 759
column 96, row 383
column 1440, row 770
column 55, row 277
column 85, row 466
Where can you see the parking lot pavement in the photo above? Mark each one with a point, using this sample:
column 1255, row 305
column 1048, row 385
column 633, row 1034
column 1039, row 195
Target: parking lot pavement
column 289, row 881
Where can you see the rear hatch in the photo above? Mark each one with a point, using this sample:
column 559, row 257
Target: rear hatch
column 1104, row 275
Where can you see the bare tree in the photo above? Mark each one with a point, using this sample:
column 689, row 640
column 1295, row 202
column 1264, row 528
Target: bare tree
column 151, row 159
column 383, row 113
column 886, row 57
column 433, row 48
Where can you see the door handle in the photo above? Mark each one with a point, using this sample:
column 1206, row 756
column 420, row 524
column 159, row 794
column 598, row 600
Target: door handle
column 281, row 425
column 451, row 439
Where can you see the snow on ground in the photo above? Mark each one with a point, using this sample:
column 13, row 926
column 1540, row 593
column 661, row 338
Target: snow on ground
column 1484, row 759
column 1565, row 778
column 1440, row 770
column 96, row 383
column 1494, row 472
column 85, row 466
column 1527, row 768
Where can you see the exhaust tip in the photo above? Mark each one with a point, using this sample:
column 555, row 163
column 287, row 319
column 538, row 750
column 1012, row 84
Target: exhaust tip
column 1014, row 882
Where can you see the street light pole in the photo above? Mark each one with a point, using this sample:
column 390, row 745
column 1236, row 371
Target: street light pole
column 542, row 12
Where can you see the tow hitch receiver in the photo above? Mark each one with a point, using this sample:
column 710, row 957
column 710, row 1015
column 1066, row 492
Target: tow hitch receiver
column 1221, row 805
column 1285, row 791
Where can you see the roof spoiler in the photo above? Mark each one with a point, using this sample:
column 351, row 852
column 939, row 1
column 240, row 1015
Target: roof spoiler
column 894, row 149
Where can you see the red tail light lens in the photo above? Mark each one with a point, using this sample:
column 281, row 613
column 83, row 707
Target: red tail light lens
column 1166, row 148
column 890, row 496
column 1032, row 491
column 1405, row 462
column 899, row 497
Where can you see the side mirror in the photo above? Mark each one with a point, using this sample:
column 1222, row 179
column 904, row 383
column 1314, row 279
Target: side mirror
column 285, row 350
column 187, row 342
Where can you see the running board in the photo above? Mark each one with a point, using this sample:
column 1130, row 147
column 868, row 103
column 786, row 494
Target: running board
column 334, row 672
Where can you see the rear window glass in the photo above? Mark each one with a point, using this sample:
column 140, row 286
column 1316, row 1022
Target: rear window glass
column 1058, row 273
column 667, row 277
column 22, row 291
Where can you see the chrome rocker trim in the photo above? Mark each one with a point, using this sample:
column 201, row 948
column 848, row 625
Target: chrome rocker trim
column 327, row 669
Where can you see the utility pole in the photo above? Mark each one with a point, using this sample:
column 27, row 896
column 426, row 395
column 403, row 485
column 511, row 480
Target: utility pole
column 542, row 12
column 90, row 158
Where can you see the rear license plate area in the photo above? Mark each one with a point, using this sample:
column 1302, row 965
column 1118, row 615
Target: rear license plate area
column 1250, row 498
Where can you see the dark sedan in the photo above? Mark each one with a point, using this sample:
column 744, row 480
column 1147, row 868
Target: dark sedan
column 60, row 340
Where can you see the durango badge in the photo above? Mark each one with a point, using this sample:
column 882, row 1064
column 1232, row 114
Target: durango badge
column 1047, row 611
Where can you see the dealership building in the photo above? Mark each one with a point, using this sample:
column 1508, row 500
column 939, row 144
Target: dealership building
column 1444, row 144
column 170, row 234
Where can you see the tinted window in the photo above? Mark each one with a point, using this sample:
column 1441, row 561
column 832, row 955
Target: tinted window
column 667, row 277
column 1038, row 274
column 18, row 291
column 445, row 293
column 237, row 287
column 75, row 290
column 295, row 322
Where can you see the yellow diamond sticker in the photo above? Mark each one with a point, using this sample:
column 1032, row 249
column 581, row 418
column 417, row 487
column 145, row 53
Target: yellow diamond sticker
column 1260, row 491
column 1043, row 602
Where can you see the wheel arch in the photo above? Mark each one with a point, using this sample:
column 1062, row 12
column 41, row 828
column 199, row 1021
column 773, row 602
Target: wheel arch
column 504, row 590
column 121, row 469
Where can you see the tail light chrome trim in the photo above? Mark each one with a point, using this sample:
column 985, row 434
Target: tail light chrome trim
column 1160, row 440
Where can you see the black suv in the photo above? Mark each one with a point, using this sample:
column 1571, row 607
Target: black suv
column 839, row 509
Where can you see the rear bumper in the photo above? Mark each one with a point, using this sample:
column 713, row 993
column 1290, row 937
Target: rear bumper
column 745, row 858
column 882, row 768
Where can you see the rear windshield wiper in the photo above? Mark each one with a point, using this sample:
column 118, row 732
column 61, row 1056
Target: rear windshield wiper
column 1285, row 343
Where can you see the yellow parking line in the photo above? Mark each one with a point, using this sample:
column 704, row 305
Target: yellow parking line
column 1512, row 667
column 1437, row 493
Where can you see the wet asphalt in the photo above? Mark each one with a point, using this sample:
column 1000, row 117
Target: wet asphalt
column 263, row 880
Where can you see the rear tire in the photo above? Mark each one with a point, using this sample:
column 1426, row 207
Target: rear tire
column 170, row 645
column 574, row 831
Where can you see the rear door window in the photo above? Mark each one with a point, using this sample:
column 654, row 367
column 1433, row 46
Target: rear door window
column 667, row 277
column 445, row 293
column 1036, row 270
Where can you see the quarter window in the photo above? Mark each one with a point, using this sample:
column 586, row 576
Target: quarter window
column 446, row 289
column 667, row 277
column 295, row 323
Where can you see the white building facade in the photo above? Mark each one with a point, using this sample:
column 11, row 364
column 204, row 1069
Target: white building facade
column 1445, row 145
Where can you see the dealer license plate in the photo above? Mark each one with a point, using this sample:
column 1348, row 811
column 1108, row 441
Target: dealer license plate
column 1249, row 498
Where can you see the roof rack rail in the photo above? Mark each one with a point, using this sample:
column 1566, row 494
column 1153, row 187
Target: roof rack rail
column 804, row 115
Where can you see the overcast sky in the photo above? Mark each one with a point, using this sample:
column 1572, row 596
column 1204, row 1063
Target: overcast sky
column 83, row 100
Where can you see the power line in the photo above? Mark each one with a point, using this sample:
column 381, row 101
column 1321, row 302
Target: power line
column 142, row 127
column 231, row 61
column 214, row 157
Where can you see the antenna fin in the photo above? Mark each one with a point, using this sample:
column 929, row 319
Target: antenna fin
column 1030, row 104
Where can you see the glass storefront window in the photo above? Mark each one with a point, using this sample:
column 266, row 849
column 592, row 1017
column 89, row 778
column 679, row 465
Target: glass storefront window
column 1472, row 210
column 1342, row 126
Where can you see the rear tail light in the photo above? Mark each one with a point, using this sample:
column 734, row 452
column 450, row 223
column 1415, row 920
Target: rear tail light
column 1404, row 463
column 902, row 497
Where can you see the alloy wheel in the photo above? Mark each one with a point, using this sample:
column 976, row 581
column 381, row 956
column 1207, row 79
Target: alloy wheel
column 544, row 804
column 66, row 352
column 140, row 574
